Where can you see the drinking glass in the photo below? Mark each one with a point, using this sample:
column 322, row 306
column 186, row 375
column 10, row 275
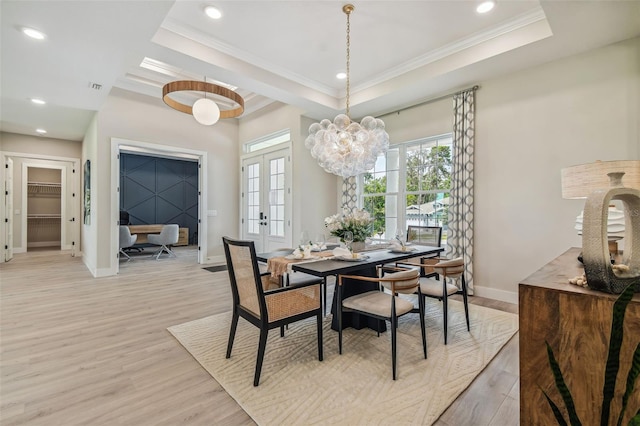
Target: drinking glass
column 320, row 241
column 348, row 239
column 304, row 238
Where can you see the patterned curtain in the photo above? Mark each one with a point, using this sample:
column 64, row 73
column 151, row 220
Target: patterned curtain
column 460, row 233
column 349, row 193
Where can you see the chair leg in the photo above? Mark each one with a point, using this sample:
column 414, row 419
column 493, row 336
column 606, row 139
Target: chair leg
column 339, row 309
column 232, row 332
column 122, row 252
column 157, row 254
column 261, row 347
column 164, row 248
column 394, row 323
column 444, row 309
column 324, row 295
column 466, row 303
column 421, row 303
column 320, row 349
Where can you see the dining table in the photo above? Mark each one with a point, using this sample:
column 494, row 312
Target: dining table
column 324, row 265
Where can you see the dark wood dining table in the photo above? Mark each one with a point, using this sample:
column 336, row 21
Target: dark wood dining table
column 334, row 267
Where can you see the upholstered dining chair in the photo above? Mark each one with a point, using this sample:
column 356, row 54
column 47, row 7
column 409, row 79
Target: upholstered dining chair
column 165, row 239
column 383, row 305
column 448, row 269
column 126, row 240
column 257, row 301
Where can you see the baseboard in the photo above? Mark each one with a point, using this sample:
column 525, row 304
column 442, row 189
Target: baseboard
column 493, row 293
column 104, row 272
column 91, row 268
column 216, row 259
column 19, row 250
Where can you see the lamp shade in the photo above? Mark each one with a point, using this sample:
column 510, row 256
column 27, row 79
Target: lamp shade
column 206, row 111
column 581, row 180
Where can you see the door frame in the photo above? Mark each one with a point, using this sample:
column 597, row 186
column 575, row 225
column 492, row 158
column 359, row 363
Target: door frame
column 119, row 145
column 288, row 146
column 25, row 200
column 45, row 161
column 7, row 210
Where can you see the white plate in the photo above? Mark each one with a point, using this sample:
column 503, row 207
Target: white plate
column 292, row 257
column 353, row 259
column 407, row 250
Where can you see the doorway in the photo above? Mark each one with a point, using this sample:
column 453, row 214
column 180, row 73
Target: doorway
column 55, row 186
column 266, row 199
column 197, row 235
column 44, row 208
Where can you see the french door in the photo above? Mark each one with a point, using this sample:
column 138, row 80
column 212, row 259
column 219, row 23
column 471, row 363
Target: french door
column 266, row 200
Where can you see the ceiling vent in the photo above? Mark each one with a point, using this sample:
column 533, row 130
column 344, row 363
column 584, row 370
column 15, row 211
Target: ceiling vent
column 95, row 86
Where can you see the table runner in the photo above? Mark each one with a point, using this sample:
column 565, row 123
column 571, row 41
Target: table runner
column 280, row 265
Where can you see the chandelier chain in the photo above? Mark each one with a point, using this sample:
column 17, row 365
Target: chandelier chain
column 343, row 147
column 348, row 12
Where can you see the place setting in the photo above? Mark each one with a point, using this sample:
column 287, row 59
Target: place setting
column 400, row 245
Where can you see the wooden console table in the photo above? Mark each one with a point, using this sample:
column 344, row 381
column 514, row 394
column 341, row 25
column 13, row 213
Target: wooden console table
column 143, row 230
column 576, row 322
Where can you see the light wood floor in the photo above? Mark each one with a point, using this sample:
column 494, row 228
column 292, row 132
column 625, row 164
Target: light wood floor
column 76, row 350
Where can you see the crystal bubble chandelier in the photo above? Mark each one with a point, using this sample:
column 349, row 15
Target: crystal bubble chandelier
column 343, row 147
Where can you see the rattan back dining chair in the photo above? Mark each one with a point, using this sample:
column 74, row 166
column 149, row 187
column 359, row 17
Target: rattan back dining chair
column 255, row 299
column 383, row 305
column 425, row 235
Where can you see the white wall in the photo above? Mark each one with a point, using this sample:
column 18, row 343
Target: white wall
column 530, row 125
column 141, row 118
column 430, row 119
column 90, row 242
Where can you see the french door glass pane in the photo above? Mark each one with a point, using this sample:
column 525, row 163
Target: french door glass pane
column 276, row 197
column 253, row 199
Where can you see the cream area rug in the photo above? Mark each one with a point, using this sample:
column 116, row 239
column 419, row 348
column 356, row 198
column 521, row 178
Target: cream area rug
column 355, row 388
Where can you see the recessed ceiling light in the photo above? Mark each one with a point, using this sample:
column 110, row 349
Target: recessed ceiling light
column 485, row 6
column 38, row 101
column 341, row 75
column 213, row 12
column 41, row 131
column 38, row 35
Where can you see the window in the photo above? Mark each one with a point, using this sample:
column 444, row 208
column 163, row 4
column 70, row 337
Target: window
column 268, row 141
column 276, row 196
column 409, row 185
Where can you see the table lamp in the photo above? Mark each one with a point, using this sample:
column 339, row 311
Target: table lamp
column 601, row 183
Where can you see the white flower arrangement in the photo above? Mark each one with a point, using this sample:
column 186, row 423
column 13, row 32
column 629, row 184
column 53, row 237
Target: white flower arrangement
column 358, row 222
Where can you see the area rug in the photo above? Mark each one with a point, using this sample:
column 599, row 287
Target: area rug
column 217, row 268
column 355, row 388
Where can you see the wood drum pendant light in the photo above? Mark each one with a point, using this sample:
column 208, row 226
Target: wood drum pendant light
column 201, row 86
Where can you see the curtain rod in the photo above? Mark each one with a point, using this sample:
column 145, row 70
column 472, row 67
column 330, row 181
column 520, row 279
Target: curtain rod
column 439, row 98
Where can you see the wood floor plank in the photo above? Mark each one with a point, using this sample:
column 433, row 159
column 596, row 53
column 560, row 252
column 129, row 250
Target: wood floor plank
column 78, row 350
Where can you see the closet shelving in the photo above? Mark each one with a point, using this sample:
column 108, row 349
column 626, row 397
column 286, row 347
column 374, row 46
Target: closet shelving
column 43, row 209
column 44, row 188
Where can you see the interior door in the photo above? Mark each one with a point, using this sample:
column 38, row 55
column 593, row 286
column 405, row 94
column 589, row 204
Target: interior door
column 8, row 203
column 266, row 200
